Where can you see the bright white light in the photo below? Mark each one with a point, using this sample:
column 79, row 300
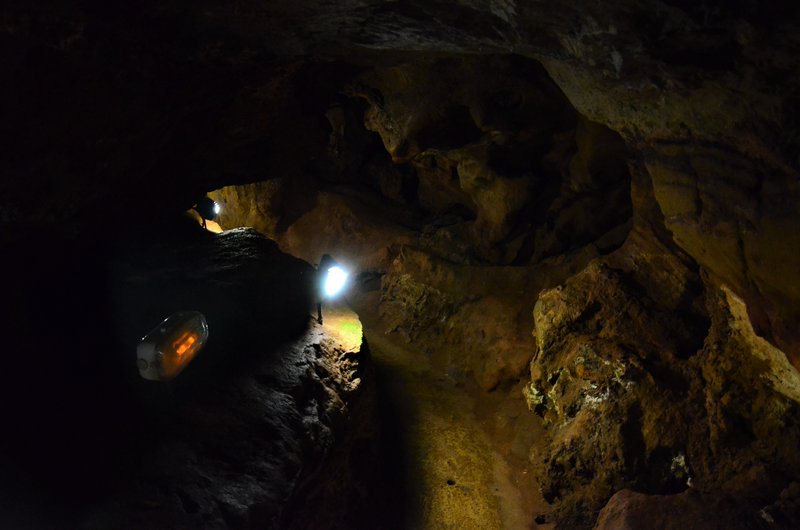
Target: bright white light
column 334, row 281
column 216, row 208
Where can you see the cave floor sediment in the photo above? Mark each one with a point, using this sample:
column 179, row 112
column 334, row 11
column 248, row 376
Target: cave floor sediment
column 454, row 474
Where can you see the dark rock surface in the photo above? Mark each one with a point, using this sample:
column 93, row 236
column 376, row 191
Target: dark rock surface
column 251, row 293
column 210, row 94
column 628, row 510
column 641, row 362
column 645, row 377
column 241, row 439
column 251, row 450
column 630, row 165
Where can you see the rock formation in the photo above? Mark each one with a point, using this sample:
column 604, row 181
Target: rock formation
column 594, row 206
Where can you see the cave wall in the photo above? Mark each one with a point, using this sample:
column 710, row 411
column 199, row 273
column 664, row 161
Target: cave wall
column 704, row 93
column 644, row 367
column 642, row 155
column 510, row 191
column 179, row 98
column 649, row 377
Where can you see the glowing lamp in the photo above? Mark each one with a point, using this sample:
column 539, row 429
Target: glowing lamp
column 333, row 279
column 163, row 353
column 207, row 209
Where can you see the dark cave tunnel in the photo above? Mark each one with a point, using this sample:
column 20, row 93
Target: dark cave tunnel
column 576, row 273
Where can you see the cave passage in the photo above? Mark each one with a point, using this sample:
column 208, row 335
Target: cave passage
column 450, row 470
column 572, row 232
column 439, row 465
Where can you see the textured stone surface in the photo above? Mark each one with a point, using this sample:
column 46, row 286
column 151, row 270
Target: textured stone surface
column 238, row 279
column 639, row 391
column 691, row 509
column 239, row 440
column 509, row 133
column 505, row 148
column 222, row 94
column 475, row 153
column 610, row 420
column 247, row 451
column 738, row 218
column 471, row 319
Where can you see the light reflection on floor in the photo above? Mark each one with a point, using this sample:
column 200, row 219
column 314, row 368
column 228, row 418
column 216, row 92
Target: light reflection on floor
column 456, row 478
column 341, row 322
column 211, row 226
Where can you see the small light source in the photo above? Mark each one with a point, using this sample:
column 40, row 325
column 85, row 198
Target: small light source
column 335, row 280
column 164, row 352
column 207, row 209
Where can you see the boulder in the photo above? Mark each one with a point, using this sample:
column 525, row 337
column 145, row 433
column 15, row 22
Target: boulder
column 628, row 510
column 644, row 376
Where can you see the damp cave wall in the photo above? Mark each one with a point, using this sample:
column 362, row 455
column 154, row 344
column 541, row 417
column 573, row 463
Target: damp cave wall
column 168, row 101
column 118, row 113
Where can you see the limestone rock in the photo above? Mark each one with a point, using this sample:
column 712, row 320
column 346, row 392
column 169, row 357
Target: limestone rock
column 497, row 125
column 724, row 224
column 472, row 319
column 260, row 206
column 639, row 393
column 628, row 510
column 604, row 379
column 502, row 148
column 702, row 91
column 235, row 278
column 359, row 232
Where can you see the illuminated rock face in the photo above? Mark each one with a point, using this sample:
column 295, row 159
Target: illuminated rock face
column 705, row 94
column 577, row 220
column 629, row 510
column 625, row 357
column 637, row 394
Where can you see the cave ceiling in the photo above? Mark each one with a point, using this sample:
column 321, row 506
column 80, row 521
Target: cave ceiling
column 590, row 210
column 165, row 100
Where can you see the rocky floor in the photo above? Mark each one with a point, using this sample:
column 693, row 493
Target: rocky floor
column 455, row 472
column 583, row 218
column 270, row 426
column 236, row 453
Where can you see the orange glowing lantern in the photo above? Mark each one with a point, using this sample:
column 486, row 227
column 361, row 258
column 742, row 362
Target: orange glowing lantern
column 164, row 352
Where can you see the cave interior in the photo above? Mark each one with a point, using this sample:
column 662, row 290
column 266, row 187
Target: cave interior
column 572, row 231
